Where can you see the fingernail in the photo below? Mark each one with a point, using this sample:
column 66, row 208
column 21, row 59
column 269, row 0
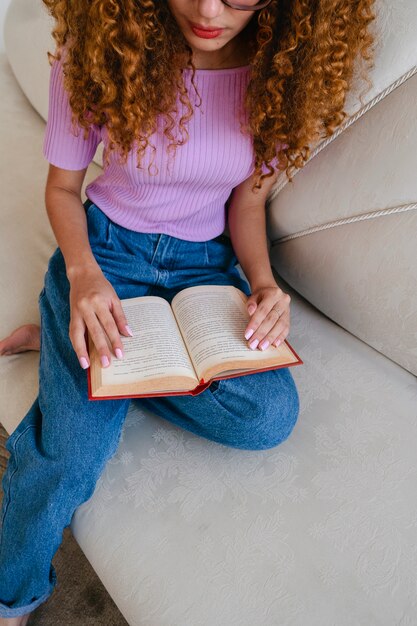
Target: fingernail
column 278, row 342
column 254, row 344
column 105, row 361
column 119, row 353
column 264, row 344
column 249, row 333
column 251, row 309
column 129, row 331
column 83, row 363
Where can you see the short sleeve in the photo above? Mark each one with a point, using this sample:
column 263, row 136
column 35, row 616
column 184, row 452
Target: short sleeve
column 60, row 146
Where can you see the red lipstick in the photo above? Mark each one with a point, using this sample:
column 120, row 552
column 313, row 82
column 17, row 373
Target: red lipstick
column 204, row 31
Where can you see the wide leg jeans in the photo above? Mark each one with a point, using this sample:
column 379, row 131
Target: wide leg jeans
column 60, row 448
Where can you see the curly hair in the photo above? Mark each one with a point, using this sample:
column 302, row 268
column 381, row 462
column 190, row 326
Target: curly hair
column 124, row 61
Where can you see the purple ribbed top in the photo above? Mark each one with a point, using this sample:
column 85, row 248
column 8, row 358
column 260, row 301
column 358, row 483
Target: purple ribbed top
column 186, row 199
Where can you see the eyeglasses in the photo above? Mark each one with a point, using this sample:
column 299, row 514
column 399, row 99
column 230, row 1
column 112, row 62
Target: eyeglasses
column 248, row 5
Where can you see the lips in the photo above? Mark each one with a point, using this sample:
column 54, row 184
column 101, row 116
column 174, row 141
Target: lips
column 205, row 28
column 205, row 33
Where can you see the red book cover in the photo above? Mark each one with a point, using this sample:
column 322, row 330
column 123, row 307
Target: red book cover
column 202, row 386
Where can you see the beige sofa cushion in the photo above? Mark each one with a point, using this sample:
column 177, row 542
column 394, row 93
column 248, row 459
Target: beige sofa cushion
column 318, row 531
column 27, row 240
column 363, row 274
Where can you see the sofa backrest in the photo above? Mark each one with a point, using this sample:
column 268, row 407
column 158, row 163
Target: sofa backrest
column 361, row 274
column 343, row 233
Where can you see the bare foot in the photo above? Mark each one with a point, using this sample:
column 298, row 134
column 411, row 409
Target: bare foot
column 22, row 620
column 22, row 339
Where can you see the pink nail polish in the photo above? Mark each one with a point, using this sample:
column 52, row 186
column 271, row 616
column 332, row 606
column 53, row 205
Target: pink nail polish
column 84, row 363
column 249, row 333
column 264, row 344
column 254, row 344
column 118, row 353
column 129, row 331
column 105, row 361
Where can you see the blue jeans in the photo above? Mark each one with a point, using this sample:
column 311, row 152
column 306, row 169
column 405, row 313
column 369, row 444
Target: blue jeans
column 60, row 448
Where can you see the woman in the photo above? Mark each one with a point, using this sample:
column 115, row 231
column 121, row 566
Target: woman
column 277, row 70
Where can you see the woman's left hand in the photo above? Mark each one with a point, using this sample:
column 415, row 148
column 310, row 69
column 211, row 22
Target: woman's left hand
column 269, row 308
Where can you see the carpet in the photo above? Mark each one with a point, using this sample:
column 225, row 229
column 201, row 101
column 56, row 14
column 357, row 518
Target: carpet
column 79, row 598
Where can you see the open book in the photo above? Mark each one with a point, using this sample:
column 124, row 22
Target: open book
column 180, row 348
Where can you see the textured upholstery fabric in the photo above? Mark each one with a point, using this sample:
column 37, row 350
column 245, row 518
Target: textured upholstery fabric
column 27, row 240
column 319, row 531
column 363, row 274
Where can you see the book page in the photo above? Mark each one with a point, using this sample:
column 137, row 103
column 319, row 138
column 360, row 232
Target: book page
column 212, row 320
column 156, row 350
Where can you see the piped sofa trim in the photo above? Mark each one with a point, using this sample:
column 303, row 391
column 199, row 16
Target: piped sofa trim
column 348, row 220
column 283, row 180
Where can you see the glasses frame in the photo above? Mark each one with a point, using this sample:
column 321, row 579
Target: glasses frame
column 238, row 7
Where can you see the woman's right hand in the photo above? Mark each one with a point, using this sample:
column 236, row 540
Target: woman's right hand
column 96, row 307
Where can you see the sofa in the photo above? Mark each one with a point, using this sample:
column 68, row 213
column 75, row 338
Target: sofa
column 320, row 530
